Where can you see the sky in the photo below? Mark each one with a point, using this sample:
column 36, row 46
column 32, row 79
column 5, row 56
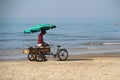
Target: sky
column 59, row 8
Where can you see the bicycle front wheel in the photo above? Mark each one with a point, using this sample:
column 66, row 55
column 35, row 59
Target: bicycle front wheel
column 63, row 55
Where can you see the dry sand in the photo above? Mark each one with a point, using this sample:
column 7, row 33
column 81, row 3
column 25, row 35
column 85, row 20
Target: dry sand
column 85, row 68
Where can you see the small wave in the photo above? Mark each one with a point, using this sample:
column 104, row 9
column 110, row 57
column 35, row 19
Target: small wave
column 4, row 40
column 110, row 39
column 100, row 43
column 3, row 33
column 92, row 43
column 111, row 43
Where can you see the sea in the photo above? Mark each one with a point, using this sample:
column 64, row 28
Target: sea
column 88, row 35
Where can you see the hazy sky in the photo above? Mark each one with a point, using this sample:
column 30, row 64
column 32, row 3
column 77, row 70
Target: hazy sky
column 59, row 8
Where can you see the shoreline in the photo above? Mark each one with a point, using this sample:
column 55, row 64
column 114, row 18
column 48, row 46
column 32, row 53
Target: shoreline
column 17, row 55
column 70, row 57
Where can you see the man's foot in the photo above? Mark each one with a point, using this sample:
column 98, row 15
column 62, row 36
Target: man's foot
column 45, row 60
column 54, row 56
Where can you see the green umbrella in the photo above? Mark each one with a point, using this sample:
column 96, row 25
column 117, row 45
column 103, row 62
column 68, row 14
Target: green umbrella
column 39, row 27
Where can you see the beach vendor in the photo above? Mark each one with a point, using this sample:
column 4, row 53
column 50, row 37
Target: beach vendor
column 41, row 43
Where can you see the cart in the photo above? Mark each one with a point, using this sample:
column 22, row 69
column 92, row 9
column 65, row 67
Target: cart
column 35, row 53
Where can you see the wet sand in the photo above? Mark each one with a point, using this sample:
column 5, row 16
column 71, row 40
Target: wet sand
column 77, row 67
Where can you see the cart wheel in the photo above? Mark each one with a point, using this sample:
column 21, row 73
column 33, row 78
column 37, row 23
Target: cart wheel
column 39, row 57
column 31, row 57
column 62, row 54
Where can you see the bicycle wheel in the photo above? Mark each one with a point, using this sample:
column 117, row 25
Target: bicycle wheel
column 31, row 57
column 62, row 54
column 38, row 57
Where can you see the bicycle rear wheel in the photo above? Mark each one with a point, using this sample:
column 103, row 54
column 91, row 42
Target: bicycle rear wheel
column 38, row 57
column 63, row 55
column 31, row 57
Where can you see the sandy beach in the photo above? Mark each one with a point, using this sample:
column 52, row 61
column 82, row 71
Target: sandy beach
column 84, row 67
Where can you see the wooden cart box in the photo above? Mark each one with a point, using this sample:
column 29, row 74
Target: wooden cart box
column 36, row 50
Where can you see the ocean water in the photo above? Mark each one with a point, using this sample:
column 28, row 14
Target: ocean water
column 86, row 34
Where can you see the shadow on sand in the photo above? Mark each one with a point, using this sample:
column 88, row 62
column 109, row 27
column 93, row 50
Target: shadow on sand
column 82, row 59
